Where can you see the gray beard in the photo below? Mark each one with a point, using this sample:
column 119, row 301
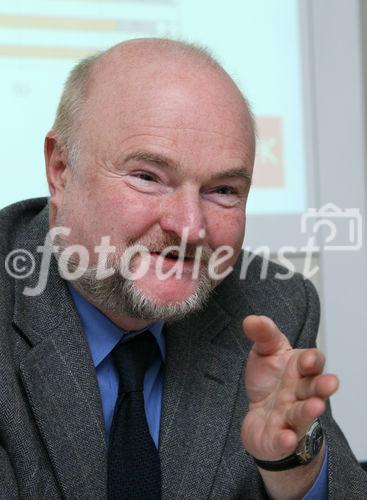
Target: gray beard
column 119, row 295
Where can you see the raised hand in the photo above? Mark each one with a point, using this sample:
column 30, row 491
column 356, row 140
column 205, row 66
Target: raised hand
column 286, row 390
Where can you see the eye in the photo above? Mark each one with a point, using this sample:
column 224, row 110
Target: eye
column 226, row 190
column 225, row 195
column 146, row 182
column 145, row 176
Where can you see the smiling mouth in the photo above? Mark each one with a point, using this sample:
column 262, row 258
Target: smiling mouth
column 174, row 256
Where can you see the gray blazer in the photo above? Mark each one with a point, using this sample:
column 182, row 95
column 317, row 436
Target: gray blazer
column 52, row 442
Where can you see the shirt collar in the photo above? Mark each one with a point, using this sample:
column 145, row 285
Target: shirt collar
column 103, row 335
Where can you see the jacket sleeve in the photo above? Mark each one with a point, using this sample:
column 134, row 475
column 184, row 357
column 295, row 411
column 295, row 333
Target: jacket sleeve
column 8, row 485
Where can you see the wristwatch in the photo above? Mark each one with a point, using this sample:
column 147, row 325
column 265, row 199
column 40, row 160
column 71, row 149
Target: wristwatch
column 306, row 451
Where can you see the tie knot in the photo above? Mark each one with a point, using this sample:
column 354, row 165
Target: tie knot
column 132, row 359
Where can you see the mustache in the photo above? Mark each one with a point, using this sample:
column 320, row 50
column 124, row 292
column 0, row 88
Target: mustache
column 153, row 245
column 188, row 250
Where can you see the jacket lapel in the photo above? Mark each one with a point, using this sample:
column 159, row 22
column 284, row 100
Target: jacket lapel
column 60, row 383
column 205, row 358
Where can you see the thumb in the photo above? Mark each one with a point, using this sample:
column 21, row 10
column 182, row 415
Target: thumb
column 265, row 334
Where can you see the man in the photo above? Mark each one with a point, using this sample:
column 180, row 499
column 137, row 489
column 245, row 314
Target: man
column 153, row 143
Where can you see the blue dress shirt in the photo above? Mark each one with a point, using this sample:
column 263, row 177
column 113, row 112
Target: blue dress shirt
column 102, row 336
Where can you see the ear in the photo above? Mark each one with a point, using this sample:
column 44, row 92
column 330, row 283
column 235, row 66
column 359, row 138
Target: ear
column 57, row 168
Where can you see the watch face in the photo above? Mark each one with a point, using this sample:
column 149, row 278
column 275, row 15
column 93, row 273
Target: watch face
column 311, row 444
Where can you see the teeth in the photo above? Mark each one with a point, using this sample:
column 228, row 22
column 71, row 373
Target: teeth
column 173, row 255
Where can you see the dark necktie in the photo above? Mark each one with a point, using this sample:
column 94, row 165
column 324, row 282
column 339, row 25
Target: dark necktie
column 133, row 461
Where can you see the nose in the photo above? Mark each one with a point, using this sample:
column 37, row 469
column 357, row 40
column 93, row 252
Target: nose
column 183, row 214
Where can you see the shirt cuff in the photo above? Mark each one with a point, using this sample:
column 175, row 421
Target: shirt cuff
column 319, row 490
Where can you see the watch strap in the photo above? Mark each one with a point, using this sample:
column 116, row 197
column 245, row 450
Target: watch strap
column 286, row 463
column 308, row 448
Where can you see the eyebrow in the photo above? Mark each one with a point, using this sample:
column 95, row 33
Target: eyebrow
column 232, row 173
column 165, row 162
column 159, row 159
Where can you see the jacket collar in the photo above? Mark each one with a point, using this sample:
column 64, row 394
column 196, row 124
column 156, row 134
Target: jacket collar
column 59, row 377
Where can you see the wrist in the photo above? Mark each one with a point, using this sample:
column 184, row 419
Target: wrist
column 293, row 483
column 307, row 450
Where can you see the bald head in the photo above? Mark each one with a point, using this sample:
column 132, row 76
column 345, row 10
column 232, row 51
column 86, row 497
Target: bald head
column 132, row 51
column 137, row 65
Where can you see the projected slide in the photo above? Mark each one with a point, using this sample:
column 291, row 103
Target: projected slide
column 257, row 42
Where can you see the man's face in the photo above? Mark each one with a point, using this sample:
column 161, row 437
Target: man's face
column 161, row 156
